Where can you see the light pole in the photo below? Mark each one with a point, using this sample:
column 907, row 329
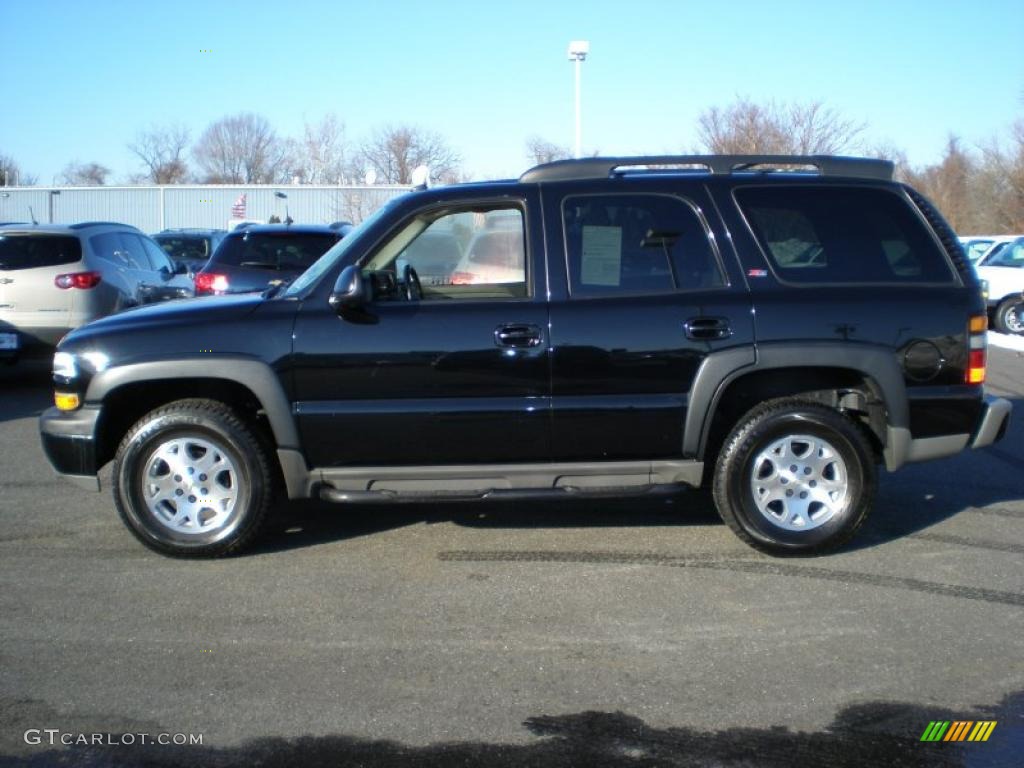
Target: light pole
column 578, row 50
column 287, row 216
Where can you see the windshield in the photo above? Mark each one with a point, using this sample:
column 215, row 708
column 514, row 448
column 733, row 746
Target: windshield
column 334, row 255
column 1009, row 255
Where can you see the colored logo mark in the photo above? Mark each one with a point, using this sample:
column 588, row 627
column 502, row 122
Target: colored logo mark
column 958, row 730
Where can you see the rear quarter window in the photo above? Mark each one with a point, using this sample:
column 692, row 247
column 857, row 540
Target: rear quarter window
column 30, row 251
column 843, row 235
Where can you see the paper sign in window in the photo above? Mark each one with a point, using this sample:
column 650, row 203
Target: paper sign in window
column 602, row 256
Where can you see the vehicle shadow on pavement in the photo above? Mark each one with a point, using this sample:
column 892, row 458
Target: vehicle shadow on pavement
column 307, row 523
column 26, row 389
column 872, row 733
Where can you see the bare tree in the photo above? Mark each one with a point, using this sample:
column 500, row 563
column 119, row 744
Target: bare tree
column 241, row 149
column 1001, row 183
column 746, row 127
column 84, row 174
column 11, row 174
column 394, row 152
column 542, row 151
column 319, row 156
column 162, row 152
column 949, row 184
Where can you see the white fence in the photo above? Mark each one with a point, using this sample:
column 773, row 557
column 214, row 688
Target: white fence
column 154, row 208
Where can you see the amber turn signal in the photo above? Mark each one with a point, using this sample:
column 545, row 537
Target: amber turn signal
column 66, row 401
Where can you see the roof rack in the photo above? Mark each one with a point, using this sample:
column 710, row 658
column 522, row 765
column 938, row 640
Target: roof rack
column 87, row 224
column 605, row 167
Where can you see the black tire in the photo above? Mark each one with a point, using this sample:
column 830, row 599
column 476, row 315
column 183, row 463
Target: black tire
column 1009, row 316
column 775, row 530
column 188, row 429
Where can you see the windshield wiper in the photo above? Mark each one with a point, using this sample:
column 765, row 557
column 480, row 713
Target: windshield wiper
column 274, row 288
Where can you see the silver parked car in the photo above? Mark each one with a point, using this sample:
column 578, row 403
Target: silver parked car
column 54, row 278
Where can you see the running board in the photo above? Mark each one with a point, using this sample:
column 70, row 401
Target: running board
column 337, row 496
column 503, row 481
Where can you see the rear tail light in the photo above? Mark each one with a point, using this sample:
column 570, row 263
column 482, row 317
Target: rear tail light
column 976, row 341
column 82, row 280
column 208, row 282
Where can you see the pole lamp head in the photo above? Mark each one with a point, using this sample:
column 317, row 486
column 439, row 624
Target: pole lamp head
column 578, row 50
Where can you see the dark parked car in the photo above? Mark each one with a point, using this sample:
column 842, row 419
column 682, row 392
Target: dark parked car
column 264, row 255
column 191, row 247
column 771, row 333
column 56, row 277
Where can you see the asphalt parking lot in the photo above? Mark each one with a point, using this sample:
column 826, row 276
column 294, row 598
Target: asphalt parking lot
column 611, row 633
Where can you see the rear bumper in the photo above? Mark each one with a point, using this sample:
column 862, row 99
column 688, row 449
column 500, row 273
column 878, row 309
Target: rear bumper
column 995, row 418
column 991, row 424
column 69, row 441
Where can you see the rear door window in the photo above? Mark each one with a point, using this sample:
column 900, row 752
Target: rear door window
column 636, row 244
column 31, row 251
column 120, row 248
column 843, row 235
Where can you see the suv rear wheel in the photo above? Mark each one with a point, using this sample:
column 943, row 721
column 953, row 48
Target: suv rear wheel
column 795, row 477
column 192, row 478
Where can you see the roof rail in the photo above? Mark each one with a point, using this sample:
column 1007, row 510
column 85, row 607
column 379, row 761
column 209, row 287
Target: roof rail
column 87, row 224
column 605, row 167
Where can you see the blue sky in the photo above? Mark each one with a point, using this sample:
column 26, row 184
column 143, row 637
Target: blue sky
column 79, row 79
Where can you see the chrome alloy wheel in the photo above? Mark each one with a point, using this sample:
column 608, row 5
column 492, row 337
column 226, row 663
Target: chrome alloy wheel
column 799, row 482
column 1014, row 320
column 190, row 485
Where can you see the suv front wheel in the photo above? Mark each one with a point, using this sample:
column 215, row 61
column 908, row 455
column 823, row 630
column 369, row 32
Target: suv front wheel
column 795, row 477
column 192, row 478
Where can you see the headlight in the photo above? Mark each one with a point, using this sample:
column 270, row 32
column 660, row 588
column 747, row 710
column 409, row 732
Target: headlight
column 64, row 365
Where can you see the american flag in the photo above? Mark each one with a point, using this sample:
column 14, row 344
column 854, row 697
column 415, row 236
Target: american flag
column 238, row 209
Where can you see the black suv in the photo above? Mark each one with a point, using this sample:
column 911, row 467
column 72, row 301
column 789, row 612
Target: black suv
column 264, row 255
column 773, row 327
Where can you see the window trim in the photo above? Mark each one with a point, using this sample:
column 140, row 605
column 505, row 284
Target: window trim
column 462, row 205
column 709, row 235
column 955, row 279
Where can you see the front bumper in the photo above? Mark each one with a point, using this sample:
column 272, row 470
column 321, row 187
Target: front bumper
column 69, row 441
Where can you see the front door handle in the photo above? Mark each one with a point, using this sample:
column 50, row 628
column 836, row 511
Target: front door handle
column 707, row 328
column 517, row 335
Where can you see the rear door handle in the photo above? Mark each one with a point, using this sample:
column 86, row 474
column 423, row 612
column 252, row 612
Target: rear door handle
column 707, row 328
column 517, row 335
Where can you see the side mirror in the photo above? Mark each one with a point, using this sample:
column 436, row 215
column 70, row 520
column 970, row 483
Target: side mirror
column 350, row 290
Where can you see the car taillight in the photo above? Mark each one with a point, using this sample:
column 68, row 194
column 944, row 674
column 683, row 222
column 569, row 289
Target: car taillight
column 83, row 280
column 208, row 282
column 976, row 342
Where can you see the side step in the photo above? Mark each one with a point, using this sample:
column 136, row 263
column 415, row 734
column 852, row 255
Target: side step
column 338, row 496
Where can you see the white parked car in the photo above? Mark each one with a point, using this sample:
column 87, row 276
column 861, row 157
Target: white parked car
column 1004, row 273
column 977, row 247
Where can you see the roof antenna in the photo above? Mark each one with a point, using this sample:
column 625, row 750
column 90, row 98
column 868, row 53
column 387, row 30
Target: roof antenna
column 32, row 216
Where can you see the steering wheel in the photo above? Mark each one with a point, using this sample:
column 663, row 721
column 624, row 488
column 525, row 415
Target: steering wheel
column 411, row 284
